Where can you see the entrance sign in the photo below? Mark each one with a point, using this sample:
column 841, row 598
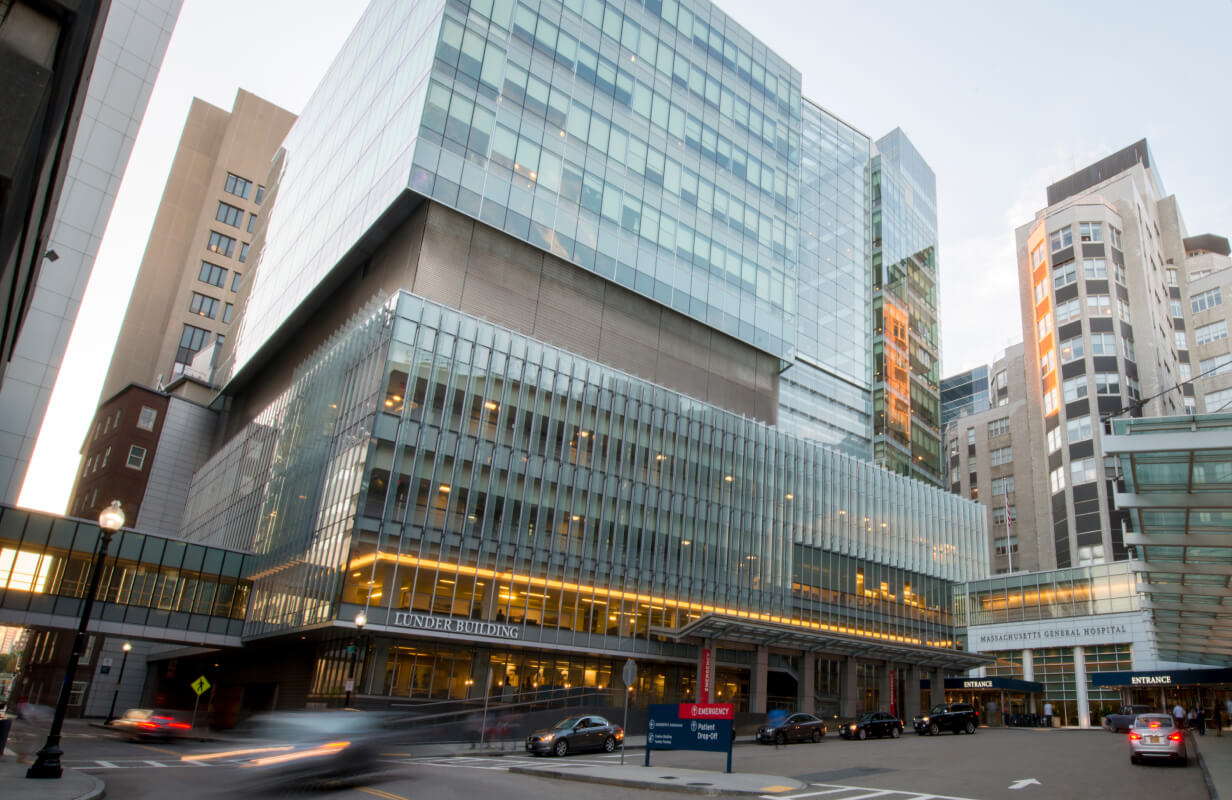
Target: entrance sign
column 690, row 726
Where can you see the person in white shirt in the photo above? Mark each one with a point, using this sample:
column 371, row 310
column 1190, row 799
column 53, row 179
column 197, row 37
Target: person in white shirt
column 1178, row 714
column 1048, row 714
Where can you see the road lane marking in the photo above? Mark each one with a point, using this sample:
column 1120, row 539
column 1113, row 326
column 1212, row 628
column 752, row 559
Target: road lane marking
column 162, row 750
column 107, row 764
column 381, row 793
column 155, row 763
column 869, row 792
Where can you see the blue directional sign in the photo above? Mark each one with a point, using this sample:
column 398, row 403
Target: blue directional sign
column 690, row 726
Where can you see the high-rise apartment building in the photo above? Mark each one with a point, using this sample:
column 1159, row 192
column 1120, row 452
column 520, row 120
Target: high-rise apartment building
column 184, row 298
column 1208, row 282
column 906, row 344
column 994, row 458
column 507, row 371
column 58, row 236
column 1101, row 274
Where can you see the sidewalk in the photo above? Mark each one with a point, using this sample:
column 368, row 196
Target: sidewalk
column 1215, row 756
column 16, row 759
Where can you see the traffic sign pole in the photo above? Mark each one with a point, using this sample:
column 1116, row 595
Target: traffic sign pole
column 629, row 674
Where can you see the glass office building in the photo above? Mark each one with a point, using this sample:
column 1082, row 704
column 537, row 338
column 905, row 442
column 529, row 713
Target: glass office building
column 906, row 344
column 484, row 499
column 536, row 282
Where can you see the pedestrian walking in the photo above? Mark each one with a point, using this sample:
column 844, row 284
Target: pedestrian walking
column 1178, row 716
column 1200, row 718
column 1048, row 715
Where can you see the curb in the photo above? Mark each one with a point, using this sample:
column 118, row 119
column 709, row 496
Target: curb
column 97, row 792
column 1206, row 775
column 684, row 788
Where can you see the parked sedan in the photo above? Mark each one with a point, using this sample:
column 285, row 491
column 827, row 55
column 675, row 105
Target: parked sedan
column 1124, row 720
column 150, row 724
column 872, row 723
column 1156, row 736
column 589, row 732
column 796, row 727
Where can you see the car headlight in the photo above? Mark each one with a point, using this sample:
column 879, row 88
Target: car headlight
column 924, row 719
column 548, row 737
column 853, row 727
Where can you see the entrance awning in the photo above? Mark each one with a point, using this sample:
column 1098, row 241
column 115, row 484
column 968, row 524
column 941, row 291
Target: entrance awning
column 756, row 632
column 1162, row 677
column 994, row 684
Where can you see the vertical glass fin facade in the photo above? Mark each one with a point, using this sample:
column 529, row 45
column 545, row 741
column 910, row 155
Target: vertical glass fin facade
column 485, row 476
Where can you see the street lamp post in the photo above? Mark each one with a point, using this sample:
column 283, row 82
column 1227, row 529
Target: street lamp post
column 360, row 620
column 47, row 764
column 123, row 661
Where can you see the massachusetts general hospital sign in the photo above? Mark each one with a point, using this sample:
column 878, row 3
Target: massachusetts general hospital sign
column 1096, row 629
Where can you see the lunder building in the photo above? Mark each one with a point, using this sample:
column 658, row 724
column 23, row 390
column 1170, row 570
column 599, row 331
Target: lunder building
column 506, row 373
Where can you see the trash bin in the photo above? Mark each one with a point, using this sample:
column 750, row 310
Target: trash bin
column 6, row 724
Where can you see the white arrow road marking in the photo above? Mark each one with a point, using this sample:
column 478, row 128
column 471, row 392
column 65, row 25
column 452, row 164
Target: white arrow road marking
column 1022, row 783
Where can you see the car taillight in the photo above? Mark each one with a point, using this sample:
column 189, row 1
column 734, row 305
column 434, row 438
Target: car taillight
column 1154, row 724
column 180, row 725
column 1133, row 737
column 1176, row 737
column 147, row 725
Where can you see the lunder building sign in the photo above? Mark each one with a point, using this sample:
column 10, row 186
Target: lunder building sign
column 466, row 627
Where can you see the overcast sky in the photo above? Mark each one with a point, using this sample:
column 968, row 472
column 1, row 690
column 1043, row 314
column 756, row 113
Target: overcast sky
column 1001, row 100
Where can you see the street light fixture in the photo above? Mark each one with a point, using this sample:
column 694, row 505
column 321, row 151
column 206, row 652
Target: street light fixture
column 47, row 765
column 360, row 621
column 111, row 712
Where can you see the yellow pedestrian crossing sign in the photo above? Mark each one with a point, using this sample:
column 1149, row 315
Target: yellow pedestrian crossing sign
column 201, row 685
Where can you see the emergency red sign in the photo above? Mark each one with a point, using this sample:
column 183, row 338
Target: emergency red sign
column 707, row 711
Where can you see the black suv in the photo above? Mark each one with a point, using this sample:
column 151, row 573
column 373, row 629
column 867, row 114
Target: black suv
column 953, row 717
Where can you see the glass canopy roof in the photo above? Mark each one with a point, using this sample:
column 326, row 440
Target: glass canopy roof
column 1175, row 483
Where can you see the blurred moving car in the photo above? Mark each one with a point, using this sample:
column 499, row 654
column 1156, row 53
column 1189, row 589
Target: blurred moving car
column 588, row 732
column 953, row 717
column 872, row 723
column 1156, row 736
column 303, row 749
column 796, row 727
column 1124, row 720
column 149, row 724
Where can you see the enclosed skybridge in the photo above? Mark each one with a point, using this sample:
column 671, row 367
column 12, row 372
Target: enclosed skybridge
column 153, row 588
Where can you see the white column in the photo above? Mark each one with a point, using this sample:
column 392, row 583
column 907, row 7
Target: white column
column 1080, row 681
column 1028, row 674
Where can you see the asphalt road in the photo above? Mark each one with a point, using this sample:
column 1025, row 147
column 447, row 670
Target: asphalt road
column 993, row 763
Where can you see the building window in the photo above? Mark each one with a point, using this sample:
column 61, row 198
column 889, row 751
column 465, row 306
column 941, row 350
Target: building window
column 1094, row 268
column 1037, row 256
column 1054, row 439
column 78, row 693
column 1007, row 544
column 1214, row 364
column 1090, row 231
column 999, row 427
column 260, row 194
column 1114, row 237
column 1071, row 350
column 1103, row 344
column 243, row 252
column 1129, row 351
column 1186, row 372
column 1107, row 383
column 1056, row 479
column 1041, row 291
column 1061, row 238
column 1217, row 401
column 192, row 339
column 226, row 314
column 1078, row 430
column 1181, row 340
column 1120, row 273
column 1204, row 300
column 252, row 222
column 1171, row 274
column 1099, row 305
column 1174, row 306
column 1075, row 388
column 1063, row 274
column 136, row 457
column 203, row 305
column 240, row 187
column 1002, row 486
column 1068, row 310
column 235, row 281
column 1044, row 325
column 212, row 274
column 229, row 214
column 221, row 244
column 1002, row 455
column 1050, row 400
column 147, row 418
column 1082, row 470
column 971, row 436
column 106, row 456
column 1048, row 362
column 1211, row 333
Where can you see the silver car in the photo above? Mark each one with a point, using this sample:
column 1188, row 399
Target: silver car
column 1156, row 736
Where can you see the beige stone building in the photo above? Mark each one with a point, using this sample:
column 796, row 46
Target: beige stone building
column 1209, row 287
column 185, row 296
